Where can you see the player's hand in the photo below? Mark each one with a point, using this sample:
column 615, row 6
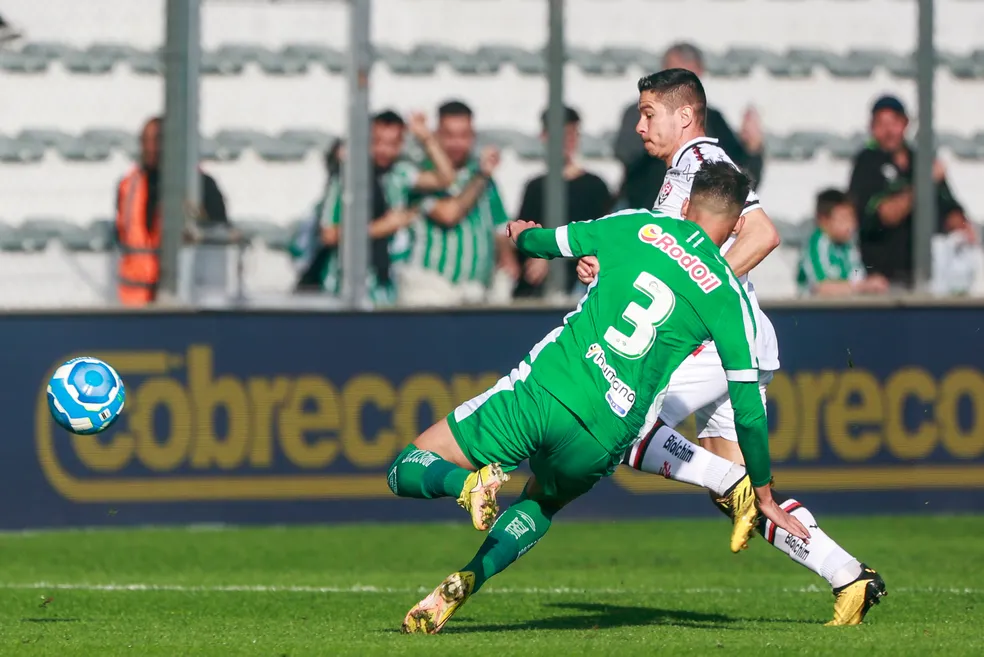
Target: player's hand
column 772, row 511
column 751, row 131
column 418, row 126
column 587, row 269
column 488, row 160
column 535, row 270
column 515, row 228
column 875, row 284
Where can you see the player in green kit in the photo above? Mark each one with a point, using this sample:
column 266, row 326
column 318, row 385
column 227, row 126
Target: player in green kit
column 582, row 395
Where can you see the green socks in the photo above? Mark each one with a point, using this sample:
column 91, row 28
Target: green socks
column 516, row 531
column 422, row 474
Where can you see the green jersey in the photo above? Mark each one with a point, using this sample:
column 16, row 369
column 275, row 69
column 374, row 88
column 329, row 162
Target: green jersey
column 465, row 251
column 663, row 290
column 825, row 260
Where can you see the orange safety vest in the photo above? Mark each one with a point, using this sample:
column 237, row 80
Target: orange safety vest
column 140, row 265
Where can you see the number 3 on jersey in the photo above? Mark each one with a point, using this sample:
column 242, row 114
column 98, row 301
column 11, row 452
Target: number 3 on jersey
column 644, row 319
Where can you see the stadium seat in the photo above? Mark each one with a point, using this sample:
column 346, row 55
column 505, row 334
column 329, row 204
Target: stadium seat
column 646, row 60
column 101, row 235
column 961, row 147
column 738, row 62
column 237, row 140
column 274, row 236
column 525, row 146
column 19, row 151
column 147, row 63
column 115, row 138
column 592, row 63
column 778, row 147
column 410, row 63
column 19, row 62
column 526, row 62
column 900, row 66
column 788, row 65
column 277, row 150
column 597, row 148
column 844, row 147
column 71, row 235
column 217, row 63
column 68, row 146
column 310, row 138
column 332, row 60
column 87, row 62
column 11, row 239
column 48, row 50
column 794, row 234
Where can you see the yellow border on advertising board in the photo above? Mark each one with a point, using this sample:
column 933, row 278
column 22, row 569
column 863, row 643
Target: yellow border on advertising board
column 917, row 476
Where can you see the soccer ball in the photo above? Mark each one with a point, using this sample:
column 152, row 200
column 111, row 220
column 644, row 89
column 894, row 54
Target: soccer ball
column 85, row 395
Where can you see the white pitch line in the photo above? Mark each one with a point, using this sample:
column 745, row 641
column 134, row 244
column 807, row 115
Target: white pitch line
column 248, row 588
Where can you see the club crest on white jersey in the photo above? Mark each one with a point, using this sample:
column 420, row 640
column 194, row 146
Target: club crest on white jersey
column 680, row 177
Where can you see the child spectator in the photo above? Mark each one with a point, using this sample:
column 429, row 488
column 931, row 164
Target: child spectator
column 830, row 264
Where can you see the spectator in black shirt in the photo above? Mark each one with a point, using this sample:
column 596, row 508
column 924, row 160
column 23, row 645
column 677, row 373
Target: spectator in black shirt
column 881, row 186
column 588, row 197
column 643, row 175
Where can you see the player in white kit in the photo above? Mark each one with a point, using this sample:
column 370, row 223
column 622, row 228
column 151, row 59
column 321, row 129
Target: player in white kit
column 672, row 107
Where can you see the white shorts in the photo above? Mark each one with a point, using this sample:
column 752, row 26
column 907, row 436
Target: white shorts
column 699, row 388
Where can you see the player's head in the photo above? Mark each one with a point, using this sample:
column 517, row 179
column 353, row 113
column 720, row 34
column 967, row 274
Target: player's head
column 672, row 108
column 387, row 138
column 888, row 123
column 717, row 198
column 572, row 130
column 455, row 132
column 684, row 55
column 150, row 143
column 836, row 215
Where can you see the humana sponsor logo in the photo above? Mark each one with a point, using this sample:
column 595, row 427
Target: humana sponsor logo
column 690, row 263
column 620, row 396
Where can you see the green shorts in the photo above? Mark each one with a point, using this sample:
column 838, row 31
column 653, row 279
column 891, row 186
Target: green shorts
column 517, row 420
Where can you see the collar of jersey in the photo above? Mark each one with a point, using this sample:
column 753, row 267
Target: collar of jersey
column 703, row 139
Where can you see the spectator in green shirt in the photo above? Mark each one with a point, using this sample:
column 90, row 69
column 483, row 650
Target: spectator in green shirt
column 458, row 250
column 830, row 264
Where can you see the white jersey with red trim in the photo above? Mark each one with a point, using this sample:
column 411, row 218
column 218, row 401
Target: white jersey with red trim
column 676, row 189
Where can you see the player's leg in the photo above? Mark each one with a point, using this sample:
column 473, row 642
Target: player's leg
column 697, row 383
column 568, row 464
column 462, row 455
column 856, row 587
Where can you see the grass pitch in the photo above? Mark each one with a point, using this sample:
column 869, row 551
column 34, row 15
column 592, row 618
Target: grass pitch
column 625, row 588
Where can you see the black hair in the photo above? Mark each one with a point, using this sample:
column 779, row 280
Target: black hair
column 570, row 117
column 675, row 88
column 829, row 199
column 388, row 117
column 333, row 163
column 453, row 108
column 722, row 184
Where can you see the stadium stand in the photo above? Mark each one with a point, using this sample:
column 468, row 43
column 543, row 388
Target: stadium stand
column 273, row 95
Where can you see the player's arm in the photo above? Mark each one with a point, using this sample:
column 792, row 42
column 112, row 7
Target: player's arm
column 733, row 331
column 756, row 239
column 571, row 241
column 450, row 211
column 443, row 173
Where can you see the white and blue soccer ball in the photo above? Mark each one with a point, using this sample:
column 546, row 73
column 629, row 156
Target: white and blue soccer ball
column 85, row 395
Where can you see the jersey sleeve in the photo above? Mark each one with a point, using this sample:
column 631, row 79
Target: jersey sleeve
column 499, row 216
column 815, row 263
column 733, row 331
column 574, row 240
column 752, row 202
column 399, row 182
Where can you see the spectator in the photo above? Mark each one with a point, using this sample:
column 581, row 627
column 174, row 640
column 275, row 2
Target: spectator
column 138, row 219
column 459, row 240
column 831, row 264
column 587, row 198
column 8, row 32
column 315, row 247
column 881, row 186
column 643, row 175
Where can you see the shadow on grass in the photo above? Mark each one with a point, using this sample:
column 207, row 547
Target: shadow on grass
column 602, row 616
column 50, row 620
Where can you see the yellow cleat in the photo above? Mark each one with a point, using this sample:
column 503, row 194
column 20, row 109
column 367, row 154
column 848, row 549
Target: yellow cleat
column 430, row 614
column 478, row 495
column 852, row 602
column 740, row 502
